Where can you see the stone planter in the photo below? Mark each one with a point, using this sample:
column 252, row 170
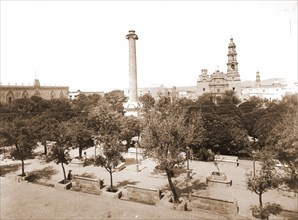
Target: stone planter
column 218, row 179
column 76, row 163
column 259, row 215
column 61, row 184
column 182, row 206
column 114, row 195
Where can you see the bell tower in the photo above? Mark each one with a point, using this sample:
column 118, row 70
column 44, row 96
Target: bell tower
column 232, row 72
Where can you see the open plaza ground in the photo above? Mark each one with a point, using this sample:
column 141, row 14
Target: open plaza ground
column 32, row 201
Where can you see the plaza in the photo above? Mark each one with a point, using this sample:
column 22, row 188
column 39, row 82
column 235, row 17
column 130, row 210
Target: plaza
column 35, row 201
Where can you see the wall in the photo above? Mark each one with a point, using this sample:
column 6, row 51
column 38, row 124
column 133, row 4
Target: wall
column 143, row 195
column 214, row 206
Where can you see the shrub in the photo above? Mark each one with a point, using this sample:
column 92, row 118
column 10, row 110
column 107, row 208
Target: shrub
column 268, row 209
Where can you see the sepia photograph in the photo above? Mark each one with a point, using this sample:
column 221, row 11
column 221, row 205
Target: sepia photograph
column 148, row 110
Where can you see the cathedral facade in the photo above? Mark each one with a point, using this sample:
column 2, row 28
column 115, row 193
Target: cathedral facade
column 8, row 93
column 218, row 82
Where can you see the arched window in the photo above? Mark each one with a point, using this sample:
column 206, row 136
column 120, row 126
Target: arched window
column 37, row 93
column 9, row 97
column 25, row 95
column 52, row 95
column 61, row 94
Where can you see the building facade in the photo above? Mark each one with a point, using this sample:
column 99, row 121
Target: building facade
column 270, row 89
column 74, row 95
column 8, row 93
column 218, row 82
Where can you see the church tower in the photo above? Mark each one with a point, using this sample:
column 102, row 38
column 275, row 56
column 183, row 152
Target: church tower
column 232, row 72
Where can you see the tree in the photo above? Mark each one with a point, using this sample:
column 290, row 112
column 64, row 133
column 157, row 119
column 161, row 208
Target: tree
column 105, row 121
column 47, row 116
column 116, row 99
column 207, row 102
column 249, row 121
column 20, row 134
column 230, row 96
column 147, row 101
column 226, row 110
column 46, row 129
column 247, row 107
column 266, row 178
column 79, row 132
column 285, row 138
column 60, row 155
column 84, row 103
column 60, row 149
column 163, row 103
column 264, row 126
column 215, row 133
column 130, row 127
column 110, row 159
column 164, row 137
column 61, row 109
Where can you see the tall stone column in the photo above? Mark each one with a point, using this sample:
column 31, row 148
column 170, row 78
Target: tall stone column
column 133, row 92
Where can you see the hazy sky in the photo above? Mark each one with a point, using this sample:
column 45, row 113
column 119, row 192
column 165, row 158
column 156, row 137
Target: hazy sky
column 82, row 44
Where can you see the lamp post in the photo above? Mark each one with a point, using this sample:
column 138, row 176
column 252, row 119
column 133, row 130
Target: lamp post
column 254, row 163
column 137, row 160
column 187, row 163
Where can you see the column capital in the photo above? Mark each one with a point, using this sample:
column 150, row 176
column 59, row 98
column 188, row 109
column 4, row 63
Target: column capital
column 131, row 34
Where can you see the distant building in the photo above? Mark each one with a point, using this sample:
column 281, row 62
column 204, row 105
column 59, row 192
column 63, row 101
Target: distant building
column 270, row 89
column 8, row 93
column 218, row 82
column 74, row 95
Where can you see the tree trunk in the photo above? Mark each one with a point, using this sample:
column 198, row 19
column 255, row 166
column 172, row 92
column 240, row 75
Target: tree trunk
column 45, row 149
column 23, row 168
column 80, row 151
column 111, row 179
column 64, row 172
column 260, row 200
column 293, row 174
column 169, row 175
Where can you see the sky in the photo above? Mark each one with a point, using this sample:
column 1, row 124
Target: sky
column 82, row 44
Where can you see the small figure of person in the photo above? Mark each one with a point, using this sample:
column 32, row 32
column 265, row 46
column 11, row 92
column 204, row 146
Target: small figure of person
column 69, row 176
column 85, row 156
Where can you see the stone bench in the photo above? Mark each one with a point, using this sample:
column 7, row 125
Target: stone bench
column 76, row 163
column 214, row 205
column 226, row 158
column 143, row 195
column 87, row 185
column 218, row 179
column 120, row 167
